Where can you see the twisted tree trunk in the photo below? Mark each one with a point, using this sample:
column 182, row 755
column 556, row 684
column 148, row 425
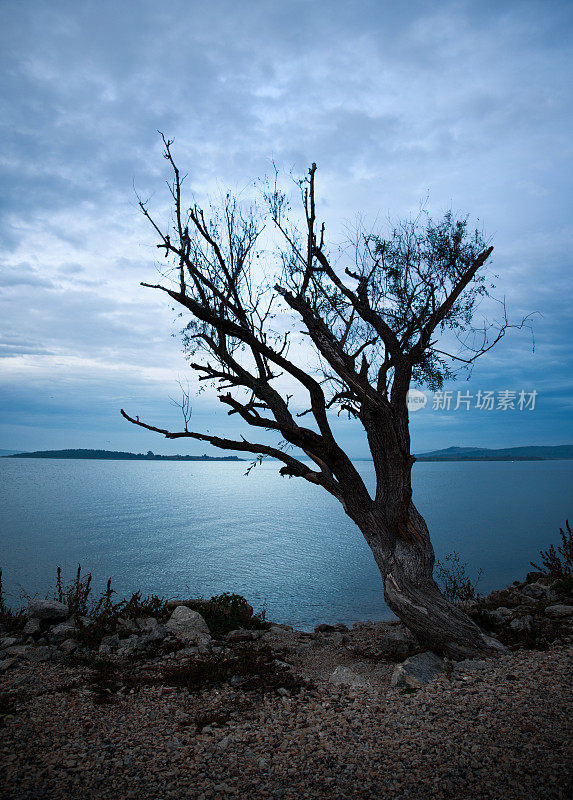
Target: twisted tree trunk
column 406, row 562
column 398, row 537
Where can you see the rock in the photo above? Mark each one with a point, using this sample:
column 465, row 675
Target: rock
column 187, row 652
column 152, row 630
column 32, row 627
column 521, row 623
column 129, row 646
column 243, row 635
column 109, row 644
column 538, row 591
column 533, row 576
column 68, row 646
column 559, row 611
column 7, row 663
column 8, row 641
column 125, row 625
column 344, row 676
column 19, row 650
column 471, row 665
column 65, row 630
column 324, row 628
column 48, row 609
column 417, row 671
column 500, row 616
column 34, row 654
column 187, row 625
column 397, row 643
column 204, row 645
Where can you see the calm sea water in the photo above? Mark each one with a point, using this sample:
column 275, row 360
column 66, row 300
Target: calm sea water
column 198, row 529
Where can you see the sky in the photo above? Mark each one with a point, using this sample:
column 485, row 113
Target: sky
column 463, row 105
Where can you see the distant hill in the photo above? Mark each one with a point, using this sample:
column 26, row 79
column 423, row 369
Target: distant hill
column 112, row 455
column 532, row 453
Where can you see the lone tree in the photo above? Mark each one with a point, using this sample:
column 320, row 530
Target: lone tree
column 375, row 327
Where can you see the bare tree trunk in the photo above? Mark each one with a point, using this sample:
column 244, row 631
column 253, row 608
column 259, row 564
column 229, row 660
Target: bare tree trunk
column 406, row 564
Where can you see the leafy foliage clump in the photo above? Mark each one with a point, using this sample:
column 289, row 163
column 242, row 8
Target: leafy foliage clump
column 456, row 584
column 227, row 612
column 103, row 611
column 558, row 561
column 77, row 595
column 248, row 668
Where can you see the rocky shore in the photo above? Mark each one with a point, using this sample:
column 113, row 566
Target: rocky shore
column 164, row 707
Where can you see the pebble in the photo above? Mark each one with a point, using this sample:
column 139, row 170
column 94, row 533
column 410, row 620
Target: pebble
column 484, row 729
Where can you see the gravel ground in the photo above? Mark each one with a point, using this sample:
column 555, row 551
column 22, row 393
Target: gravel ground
column 503, row 732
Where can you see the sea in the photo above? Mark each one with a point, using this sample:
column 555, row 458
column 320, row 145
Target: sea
column 197, row 529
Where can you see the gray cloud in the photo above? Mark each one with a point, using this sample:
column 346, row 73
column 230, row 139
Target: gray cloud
column 468, row 103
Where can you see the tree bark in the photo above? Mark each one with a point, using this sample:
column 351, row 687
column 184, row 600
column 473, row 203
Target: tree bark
column 406, row 561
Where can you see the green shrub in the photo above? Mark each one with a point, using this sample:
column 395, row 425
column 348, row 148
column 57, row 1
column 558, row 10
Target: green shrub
column 227, row 612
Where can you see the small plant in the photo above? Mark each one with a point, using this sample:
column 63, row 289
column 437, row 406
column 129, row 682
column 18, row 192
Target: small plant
column 148, row 606
column 251, row 668
column 456, row 584
column 76, row 594
column 558, row 562
column 103, row 611
column 7, row 708
column 227, row 612
column 104, row 680
column 9, row 619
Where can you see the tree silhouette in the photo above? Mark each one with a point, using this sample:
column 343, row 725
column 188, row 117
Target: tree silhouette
column 402, row 311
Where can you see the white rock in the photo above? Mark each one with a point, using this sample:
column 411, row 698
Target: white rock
column 417, row 670
column 48, row 609
column 343, row 676
column 188, row 625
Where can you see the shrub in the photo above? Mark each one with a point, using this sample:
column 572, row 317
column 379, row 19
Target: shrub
column 456, row 584
column 252, row 668
column 9, row 619
column 558, row 562
column 227, row 612
column 76, row 594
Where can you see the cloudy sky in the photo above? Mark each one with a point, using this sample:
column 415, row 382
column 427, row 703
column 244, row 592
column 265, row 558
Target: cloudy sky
column 466, row 103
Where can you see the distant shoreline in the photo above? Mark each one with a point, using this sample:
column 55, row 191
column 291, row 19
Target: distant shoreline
column 111, row 455
column 450, row 454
